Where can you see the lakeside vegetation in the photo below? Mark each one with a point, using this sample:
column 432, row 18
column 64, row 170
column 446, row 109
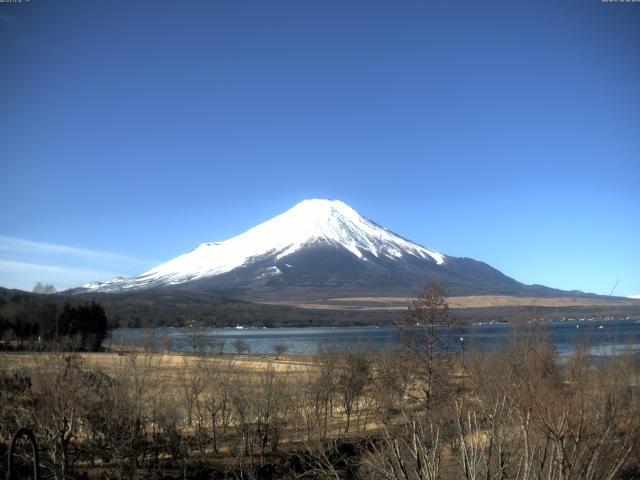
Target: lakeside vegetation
column 407, row 413
column 174, row 308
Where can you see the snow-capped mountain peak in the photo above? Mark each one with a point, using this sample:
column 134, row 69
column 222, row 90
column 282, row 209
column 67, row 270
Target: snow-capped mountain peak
column 310, row 222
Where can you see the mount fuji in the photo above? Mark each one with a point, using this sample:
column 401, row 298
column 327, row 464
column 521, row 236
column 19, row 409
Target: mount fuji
column 319, row 249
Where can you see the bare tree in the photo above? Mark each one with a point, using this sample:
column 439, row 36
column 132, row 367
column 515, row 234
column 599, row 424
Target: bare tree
column 217, row 344
column 138, row 369
column 60, row 386
column 197, row 338
column 352, row 380
column 217, row 387
column 540, row 419
column 192, row 383
column 390, row 379
column 167, row 342
column 241, row 347
column 273, row 404
column 280, row 349
column 325, row 388
column 409, row 453
column 243, row 405
column 421, row 341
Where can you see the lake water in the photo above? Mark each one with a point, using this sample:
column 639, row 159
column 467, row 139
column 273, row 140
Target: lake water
column 604, row 337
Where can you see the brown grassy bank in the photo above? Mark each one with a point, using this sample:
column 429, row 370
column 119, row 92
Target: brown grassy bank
column 516, row 413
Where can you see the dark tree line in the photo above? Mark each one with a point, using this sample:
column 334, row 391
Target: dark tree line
column 37, row 323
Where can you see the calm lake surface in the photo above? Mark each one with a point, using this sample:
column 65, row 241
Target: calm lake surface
column 604, row 337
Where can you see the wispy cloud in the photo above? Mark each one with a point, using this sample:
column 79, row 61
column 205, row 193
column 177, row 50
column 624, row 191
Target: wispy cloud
column 19, row 245
column 24, row 275
column 26, row 262
column 634, row 296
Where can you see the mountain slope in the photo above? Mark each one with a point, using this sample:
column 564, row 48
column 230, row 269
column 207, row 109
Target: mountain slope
column 319, row 249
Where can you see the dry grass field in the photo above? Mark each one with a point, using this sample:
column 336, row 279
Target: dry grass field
column 149, row 414
column 163, row 362
column 470, row 301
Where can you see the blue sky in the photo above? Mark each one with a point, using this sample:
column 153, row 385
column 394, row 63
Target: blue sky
column 504, row 131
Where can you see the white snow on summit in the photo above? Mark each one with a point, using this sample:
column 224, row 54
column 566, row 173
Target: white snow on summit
column 308, row 222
